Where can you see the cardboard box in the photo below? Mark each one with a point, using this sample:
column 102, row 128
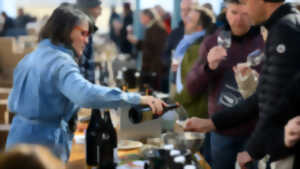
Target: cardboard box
column 11, row 52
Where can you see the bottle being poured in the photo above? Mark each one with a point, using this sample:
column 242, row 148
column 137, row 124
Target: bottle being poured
column 140, row 114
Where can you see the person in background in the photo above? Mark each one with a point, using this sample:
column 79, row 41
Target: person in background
column 113, row 32
column 152, row 48
column 200, row 24
column 273, row 102
column 8, row 24
column 213, row 72
column 48, row 88
column 29, row 157
column 126, row 46
column 208, row 6
column 298, row 6
column 165, row 17
column 172, row 41
column 87, row 63
column 23, row 19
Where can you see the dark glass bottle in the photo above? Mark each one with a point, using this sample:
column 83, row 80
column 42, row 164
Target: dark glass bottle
column 107, row 142
column 139, row 114
column 94, row 128
column 110, row 128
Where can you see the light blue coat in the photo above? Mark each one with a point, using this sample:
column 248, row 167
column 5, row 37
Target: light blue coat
column 47, row 90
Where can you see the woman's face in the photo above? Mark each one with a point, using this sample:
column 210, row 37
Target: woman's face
column 80, row 37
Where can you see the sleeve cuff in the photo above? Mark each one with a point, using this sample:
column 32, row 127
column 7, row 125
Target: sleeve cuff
column 131, row 98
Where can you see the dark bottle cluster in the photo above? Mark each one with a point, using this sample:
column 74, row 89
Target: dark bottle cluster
column 139, row 114
column 101, row 140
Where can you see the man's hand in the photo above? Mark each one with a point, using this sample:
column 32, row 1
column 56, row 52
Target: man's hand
column 243, row 158
column 215, row 56
column 292, row 132
column 199, row 125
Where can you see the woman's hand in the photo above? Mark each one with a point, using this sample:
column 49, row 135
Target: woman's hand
column 292, row 132
column 132, row 39
column 199, row 125
column 156, row 105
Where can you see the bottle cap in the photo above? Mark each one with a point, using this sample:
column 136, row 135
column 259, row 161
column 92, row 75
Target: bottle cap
column 189, row 167
column 174, row 153
column 179, row 159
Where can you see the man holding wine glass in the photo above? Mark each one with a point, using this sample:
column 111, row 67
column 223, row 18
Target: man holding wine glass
column 218, row 54
column 274, row 101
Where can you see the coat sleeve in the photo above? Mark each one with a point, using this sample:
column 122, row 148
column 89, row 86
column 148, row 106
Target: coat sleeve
column 243, row 112
column 198, row 78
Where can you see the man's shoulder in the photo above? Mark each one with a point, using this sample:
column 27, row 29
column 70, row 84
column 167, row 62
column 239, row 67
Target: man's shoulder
column 289, row 23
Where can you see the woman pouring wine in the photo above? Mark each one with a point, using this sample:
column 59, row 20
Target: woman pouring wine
column 48, row 87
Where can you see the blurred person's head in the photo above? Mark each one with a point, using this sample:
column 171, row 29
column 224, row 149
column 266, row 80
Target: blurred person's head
column 147, row 17
column 208, row 6
column 199, row 18
column 113, row 8
column 90, row 7
column 237, row 17
column 260, row 10
column 21, row 12
column 29, row 157
column 126, row 8
column 4, row 14
column 160, row 10
column 185, row 8
column 69, row 27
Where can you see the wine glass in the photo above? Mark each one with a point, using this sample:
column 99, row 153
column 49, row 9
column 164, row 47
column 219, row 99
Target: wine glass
column 255, row 58
column 182, row 116
column 224, row 39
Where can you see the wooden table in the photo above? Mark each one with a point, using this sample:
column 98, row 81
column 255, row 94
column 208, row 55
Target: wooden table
column 77, row 158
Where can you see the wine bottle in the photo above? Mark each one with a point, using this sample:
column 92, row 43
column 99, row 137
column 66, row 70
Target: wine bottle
column 94, row 128
column 110, row 128
column 107, row 142
column 139, row 114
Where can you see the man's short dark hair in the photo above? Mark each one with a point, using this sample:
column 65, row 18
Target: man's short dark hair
column 148, row 13
column 61, row 23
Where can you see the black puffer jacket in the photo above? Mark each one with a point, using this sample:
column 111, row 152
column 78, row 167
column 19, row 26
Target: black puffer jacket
column 272, row 100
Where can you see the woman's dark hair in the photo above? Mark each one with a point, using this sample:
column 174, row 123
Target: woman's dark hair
column 204, row 20
column 61, row 23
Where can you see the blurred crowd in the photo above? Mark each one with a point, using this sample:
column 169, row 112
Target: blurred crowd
column 15, row 26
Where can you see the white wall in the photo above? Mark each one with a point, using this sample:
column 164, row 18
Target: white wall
column 9, row 6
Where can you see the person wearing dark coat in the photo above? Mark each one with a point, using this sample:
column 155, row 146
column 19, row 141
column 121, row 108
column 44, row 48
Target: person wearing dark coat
column 114, row 17
column 126, row 46
column 23, row 19
column 152, row 49
column 87, row 64
column 274, row 101
column 8, row 24
column 171, row 43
